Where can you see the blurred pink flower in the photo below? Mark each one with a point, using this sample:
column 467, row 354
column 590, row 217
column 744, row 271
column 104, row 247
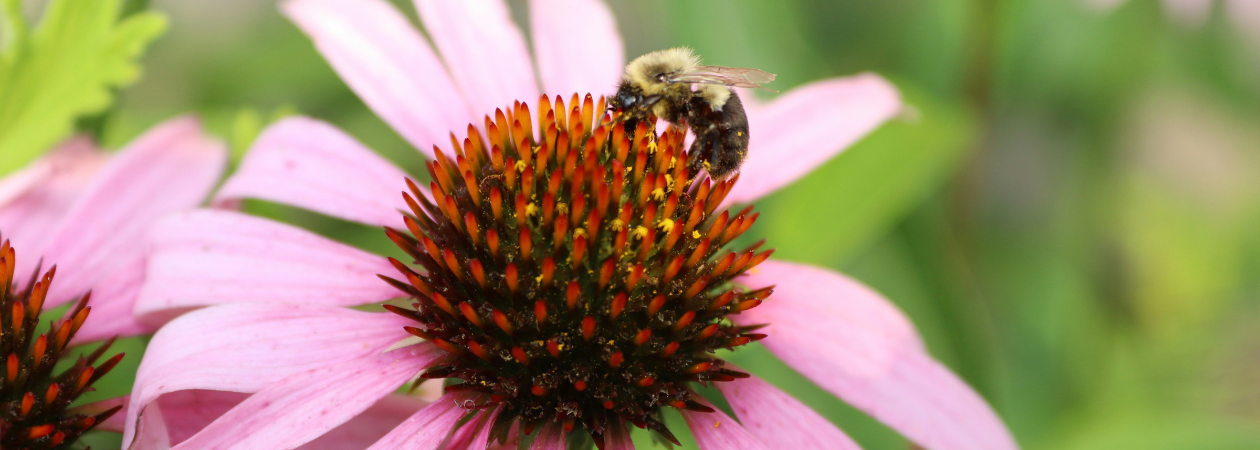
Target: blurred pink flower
column 1193, row 13
column 88, row 213
column 321, row 374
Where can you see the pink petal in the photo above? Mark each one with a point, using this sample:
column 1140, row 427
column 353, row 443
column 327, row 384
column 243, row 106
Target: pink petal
column 112, row 302
column 550, row 437
column 207, row 257
column 716, row 431
column 304, row 406
column 386, row 61
column 370, row 426
column 171, row 167
column 577, row 46
column 483, row 49
column 428, row 427
column 474, row 435
column 777, row 419
column 307, row 163
column 185, row 413
column 858, row 345
column 35, row 200
column 247, row 347
column 618, row 438
column 808, row 126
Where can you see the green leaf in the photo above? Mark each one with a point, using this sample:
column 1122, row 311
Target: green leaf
column 65, row 68
column 826, row 217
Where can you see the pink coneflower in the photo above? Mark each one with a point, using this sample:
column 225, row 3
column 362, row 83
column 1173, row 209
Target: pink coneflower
column 85, row 215
column 569, row 273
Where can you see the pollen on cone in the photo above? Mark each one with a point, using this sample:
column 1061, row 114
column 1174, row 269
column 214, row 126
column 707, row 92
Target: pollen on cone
column 573, row 255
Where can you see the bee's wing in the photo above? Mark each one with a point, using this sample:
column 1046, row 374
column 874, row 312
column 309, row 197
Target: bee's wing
column 726, row 76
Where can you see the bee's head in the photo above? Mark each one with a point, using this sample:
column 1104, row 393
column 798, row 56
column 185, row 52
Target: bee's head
column 630, row 96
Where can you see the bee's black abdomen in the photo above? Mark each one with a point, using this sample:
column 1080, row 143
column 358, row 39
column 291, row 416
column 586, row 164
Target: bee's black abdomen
column 721, row 143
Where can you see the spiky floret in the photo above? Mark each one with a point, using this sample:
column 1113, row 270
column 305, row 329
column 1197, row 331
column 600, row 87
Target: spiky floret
column 577, row 275
column 34, row 402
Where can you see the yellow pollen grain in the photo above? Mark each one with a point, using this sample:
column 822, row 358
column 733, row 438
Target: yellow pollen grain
column 531, row 209
column 706, row 165
column 617, row 224
column 520, row 166
column 640, row 232
column 579, row 233
column 666, row 225
column 652, row 146
column 658, row 194
column 538, row 279
column 562, row 208
column 672, row 160
column 695, row 234
column 669, row 181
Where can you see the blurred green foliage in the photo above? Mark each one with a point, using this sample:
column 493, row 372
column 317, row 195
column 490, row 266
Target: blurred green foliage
column 64, row 69
column 1070, row 219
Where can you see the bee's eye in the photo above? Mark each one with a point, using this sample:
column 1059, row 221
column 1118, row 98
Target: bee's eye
column 626, row 100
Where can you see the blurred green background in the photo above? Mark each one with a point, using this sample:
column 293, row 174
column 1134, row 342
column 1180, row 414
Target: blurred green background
column 1070, row 217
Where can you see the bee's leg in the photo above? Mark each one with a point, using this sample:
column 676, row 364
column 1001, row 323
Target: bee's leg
column 700, row 154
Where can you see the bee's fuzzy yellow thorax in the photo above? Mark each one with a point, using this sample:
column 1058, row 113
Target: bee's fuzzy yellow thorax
column 642, row 70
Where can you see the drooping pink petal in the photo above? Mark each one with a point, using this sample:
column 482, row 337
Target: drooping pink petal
column 618, row 438
column 246, row 347
column 428, row 427
column 112, row 302
column 386, row 61
column 483, row 49
column 310, row 164
column 370, row 426
column 171, row 167
column 577, row 46
column 808, row 126
column 301, row 407
column 184, row 413
column 858, row 345
column 35, row 201
column 716, row 431
column 177, row 416
column 780, row 421
column 474, row 435
column 207, row 257
column 550, row 437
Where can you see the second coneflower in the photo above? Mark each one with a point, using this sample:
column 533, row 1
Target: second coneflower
column 577, row 278
column 35, row 399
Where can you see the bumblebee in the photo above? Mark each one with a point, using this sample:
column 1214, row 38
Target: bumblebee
column 673, row 85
